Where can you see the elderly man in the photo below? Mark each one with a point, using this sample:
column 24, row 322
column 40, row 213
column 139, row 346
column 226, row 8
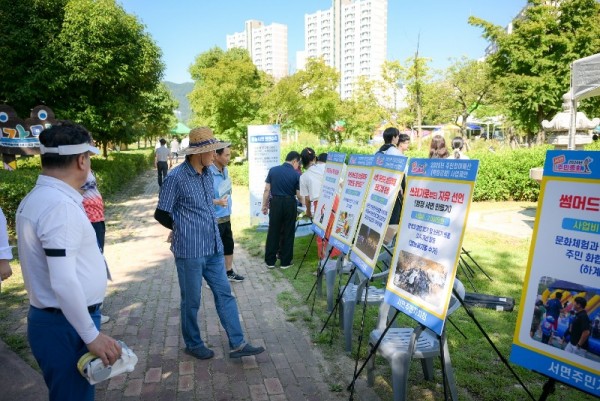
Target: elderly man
column 185, row 205
column 63, row 269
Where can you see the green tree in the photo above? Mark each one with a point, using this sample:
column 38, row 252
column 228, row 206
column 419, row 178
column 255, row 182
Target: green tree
column 318, row 87
column 393, row 76
column 362, row 113
column 28, row 29
column 282, row 104
column 104, row 63
column 531, row 63
column 156, row 116
column 417, row 76
column 227, row 93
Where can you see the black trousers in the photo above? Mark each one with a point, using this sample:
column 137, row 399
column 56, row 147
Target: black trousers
column 282, row 227
column 163, row 168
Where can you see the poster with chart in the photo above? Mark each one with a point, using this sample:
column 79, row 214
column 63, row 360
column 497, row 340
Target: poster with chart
column 563, row 275
column 331, row 182
column 263, row 153
column 432, row 224
column 358, row 178
column 379, row 202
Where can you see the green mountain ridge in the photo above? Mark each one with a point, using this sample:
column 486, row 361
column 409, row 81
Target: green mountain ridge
column 180, row 93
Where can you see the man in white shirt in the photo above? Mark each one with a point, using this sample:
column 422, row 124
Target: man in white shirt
column 63, row 269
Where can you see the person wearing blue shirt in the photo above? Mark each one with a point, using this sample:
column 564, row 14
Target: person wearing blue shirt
column 222, row 203
column 283, row 183
column 185, row 205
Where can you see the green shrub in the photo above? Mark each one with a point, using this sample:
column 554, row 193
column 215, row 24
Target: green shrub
column 112, row 174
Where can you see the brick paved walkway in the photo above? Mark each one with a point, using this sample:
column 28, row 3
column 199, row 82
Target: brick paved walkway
column 143, row 303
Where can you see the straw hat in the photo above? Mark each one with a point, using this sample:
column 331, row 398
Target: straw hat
column 202, row 140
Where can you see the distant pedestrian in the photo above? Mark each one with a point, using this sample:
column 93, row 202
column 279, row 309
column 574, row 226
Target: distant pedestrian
column 391, row 137
column 185, row 205
column 161, row 161
column 437, row 148
column 5, row 251
column 174, row 152
column 63, row 269
column 283, row 183
column 222, row 203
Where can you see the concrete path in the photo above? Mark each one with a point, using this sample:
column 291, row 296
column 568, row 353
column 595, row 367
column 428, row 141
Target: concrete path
column 143, row 303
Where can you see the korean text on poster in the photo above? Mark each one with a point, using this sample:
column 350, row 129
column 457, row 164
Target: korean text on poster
column 358, row 177
column 379, row 202
column 558, row 327
column 329, row 189
column 433, row 218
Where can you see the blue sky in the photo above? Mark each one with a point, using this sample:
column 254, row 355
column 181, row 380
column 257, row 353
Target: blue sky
column 186, row 28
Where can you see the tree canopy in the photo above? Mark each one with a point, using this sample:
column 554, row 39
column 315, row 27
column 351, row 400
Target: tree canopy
column 531, row 63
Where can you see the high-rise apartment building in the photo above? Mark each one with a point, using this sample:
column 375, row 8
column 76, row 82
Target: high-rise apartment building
column 350, row 36
column 267, row 45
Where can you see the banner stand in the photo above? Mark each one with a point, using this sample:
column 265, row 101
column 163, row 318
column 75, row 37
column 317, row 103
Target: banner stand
column 304, row 256
column 548, row 387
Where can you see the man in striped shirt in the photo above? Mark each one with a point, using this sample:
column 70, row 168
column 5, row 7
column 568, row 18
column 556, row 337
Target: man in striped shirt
column 185, row 205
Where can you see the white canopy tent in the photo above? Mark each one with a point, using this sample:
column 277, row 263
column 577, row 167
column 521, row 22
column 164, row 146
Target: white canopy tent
column 585, row 82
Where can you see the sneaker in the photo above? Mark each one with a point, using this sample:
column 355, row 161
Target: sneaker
column 286, row 267
column 246, row 350
column 233, row 276
column 270, row 266
column 200, row 352
column 104, row 319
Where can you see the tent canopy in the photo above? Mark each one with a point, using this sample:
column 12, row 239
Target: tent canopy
column 585, row 77
column 180, row 129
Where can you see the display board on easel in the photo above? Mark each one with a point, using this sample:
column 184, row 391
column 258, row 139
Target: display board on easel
column 564, row 268
column 379, row 202
column 329, row 188
column 432, row 224
column 358, row 178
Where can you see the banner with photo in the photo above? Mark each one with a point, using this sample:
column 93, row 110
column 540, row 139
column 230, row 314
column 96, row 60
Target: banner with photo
column 381, row 196
column 358, row 178
column 264, row 143
column 432, row 225
column 329, row 188
column 558, row 327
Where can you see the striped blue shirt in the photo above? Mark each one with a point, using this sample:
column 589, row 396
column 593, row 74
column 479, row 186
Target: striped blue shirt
column 188, row 197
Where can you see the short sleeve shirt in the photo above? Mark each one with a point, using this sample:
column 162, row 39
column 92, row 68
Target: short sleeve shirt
column 311, row 181
column 187, row 196
column 5, row 252
column 162, row 154
column 222, row 187
column 284, row 180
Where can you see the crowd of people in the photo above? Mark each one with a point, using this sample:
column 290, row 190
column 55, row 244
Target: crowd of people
column 61, row 231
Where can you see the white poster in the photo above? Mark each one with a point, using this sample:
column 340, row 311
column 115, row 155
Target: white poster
column 264, row 143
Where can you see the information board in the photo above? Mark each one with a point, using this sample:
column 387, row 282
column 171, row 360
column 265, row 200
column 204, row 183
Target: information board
column 381, row 196
column 329, row 188
column 432, row 223
column 563, row 269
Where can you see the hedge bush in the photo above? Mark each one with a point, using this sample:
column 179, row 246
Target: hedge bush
column 503, row 173
column 112, row 175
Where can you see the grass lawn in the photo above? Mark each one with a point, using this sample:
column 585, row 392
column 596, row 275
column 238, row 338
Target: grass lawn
column 480, row 373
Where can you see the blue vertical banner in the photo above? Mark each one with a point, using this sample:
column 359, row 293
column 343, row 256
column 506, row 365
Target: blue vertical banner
column 329, row 188
column 264, row 143
column 563, row 272
column 358, row 179
column 432, row 224
column 380, row 198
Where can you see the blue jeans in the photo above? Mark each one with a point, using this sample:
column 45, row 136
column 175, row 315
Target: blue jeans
column 57, row 347
column 190, row 273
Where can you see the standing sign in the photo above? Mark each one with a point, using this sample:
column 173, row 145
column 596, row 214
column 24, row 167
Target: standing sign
column 564, row 259
column 381, row 196
column 331, row 182
column 434, row 213
column 358, row 177
column 263, row 153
